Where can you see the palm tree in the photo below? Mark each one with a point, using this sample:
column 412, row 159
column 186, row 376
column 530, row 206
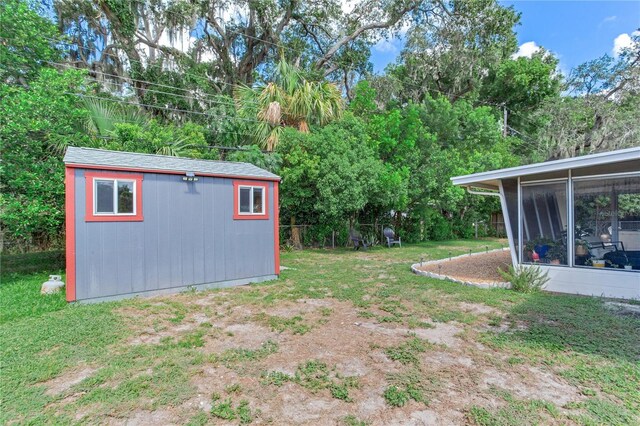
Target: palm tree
column 105, row 113
column 288, row 101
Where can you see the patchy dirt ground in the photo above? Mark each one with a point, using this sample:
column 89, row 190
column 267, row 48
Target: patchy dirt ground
column 481, row 268
column 341, row 339
column 460, row 373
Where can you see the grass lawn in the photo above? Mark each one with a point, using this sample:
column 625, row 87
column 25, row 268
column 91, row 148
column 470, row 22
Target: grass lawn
column 343, row 337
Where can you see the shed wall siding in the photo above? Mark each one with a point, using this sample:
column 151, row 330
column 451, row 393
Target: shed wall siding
column 188, row 237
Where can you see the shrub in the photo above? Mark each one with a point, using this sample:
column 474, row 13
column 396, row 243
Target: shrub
column 441, row 228
column 525, row 279
column 396, row 397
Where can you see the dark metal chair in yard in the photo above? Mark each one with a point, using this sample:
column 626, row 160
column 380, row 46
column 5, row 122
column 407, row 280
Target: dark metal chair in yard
column 391, row 237
column 358, row 240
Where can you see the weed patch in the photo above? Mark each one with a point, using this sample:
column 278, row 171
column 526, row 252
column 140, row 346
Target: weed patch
column 409, row 385
column 236, row 355
column 295, row 325
column 314, row 376
column 352, row 420
column 407, row 352
column 516, row 412
column 192, row 340
column 227, row 410
column 275, row 378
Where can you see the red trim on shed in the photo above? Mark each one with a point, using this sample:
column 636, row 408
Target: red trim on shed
column 276, row 227
column 70, row 232
column 91, row 217
column 170, row 172
column 236, row 200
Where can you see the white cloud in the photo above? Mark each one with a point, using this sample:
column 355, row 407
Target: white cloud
column 609, row 19
column 622, row 42
column 526, row 50
column 386, row 46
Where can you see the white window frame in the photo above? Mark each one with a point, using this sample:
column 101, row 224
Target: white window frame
column 251, row 188
column 115, row 196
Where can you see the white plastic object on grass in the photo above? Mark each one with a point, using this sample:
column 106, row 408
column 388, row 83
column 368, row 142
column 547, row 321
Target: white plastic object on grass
column 54, row 285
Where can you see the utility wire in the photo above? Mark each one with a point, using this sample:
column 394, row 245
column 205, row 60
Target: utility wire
column 192, row 96
column 163, row 108
column 405, row 84
column 121, row 120
column 139, row 62
column 70, row 66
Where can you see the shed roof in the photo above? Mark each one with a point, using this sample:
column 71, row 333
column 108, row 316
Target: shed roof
column 611, row 158
column 118, row 160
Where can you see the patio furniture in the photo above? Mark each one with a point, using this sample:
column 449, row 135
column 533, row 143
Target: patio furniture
column 624, row 257
column 358, row 240
column 391, row 237
column 598, row 248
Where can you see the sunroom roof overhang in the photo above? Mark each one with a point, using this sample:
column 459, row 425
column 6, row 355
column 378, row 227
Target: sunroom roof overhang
column 620, row 161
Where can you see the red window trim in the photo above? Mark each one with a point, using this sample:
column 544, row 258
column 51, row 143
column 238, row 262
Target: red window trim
column 91, row 217
column 236, row 200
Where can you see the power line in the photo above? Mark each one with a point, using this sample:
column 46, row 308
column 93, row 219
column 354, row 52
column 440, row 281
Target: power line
column 123, row 120
column 70, row 66
column 162, row 108
column 447, row 94
column 415, row 86
column 195, row 97
column 525, row 137
column 136, row 61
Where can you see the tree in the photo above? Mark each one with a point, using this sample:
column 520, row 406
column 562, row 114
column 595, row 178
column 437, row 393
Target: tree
column 398, row 137
column 448, row 52
column 234, row 40
column 462, row 139
column 105, row 114
column 603, row 113
column 36, row 125
column 521, row 86
column 330, row 175
column 24, row 47
column 153, row 137
column 289, row 100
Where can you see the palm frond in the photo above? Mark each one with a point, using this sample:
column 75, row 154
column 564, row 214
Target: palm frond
column 289, row 100
column 272, row 115
column 104, row 114
column 100, row 121
column 176, row 148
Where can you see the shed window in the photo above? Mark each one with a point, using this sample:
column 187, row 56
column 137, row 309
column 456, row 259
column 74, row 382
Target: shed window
column 245, row 200
column 104, row 196
column 113, row 197
column 250, row 200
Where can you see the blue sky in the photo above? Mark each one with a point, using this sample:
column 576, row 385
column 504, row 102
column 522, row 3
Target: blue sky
column 575, row 31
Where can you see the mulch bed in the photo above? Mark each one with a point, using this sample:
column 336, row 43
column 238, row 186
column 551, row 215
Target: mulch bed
column 480, row 268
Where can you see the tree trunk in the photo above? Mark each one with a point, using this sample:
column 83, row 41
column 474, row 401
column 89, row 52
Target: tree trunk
column 295, row 234
column 397, row 221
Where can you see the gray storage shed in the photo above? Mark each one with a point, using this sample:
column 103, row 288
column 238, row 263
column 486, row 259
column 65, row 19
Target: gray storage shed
column 150, row 224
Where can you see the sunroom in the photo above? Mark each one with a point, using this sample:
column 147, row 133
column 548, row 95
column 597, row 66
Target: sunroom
column 595, row 196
